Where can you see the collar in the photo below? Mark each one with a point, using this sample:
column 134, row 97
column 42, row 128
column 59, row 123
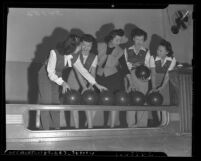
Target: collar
column 166, row 58
column 133, row 48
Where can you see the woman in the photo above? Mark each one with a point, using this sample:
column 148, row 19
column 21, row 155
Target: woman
column 50, row 79
column 160, row 66
column 88, row 57
column 137, row 54
column 112, row 66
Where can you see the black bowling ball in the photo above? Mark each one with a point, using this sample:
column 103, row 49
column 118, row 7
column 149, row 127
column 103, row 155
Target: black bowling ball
column 72, row 97
column 90, row 97
column 122, row 98
column 137, row 98
column 155, row 99
column 106, row 98
column 142, row 72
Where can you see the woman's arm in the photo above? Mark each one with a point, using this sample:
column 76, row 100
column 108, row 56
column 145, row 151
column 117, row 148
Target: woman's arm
column 165, row 81
column 93, row 67
column 166, row 77
column 80, row 68
column 51, row 68
column 153, row 77
column 147, row 59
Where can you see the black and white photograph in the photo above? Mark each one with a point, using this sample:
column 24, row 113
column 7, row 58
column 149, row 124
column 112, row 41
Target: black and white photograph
column 99, row 79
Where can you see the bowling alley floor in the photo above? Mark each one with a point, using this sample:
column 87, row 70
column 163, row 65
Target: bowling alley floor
column 172, row 145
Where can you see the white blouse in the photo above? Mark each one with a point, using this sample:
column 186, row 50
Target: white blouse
column 67, row 61
column 171, row 67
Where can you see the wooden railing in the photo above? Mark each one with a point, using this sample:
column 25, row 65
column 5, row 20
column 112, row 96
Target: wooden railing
column 17, row 131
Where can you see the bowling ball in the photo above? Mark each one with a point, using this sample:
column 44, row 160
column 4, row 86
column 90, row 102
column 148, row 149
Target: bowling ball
column 142, row 72
column 106, row 98
column 72, row 97
column 122, row 98
column 155, row 99
column 137, row 98
column 90, row 97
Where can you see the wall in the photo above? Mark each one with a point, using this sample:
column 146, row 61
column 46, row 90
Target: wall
column 182, row 42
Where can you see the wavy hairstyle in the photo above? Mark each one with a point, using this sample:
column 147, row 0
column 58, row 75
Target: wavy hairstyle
column 138, row 32
column 167, row 46
column 91, row 39
column 114, row 33
column 69, row 45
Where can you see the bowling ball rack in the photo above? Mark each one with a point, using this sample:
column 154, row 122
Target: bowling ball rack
column 16, row 131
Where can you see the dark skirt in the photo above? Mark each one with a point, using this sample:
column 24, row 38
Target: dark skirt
column 48, row 95
column 49, row 91
column 113, row 82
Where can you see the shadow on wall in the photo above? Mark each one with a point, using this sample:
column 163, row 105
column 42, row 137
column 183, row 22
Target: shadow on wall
column 104, row 31
column 41, row 54
column 154, row 42
column 106, row 28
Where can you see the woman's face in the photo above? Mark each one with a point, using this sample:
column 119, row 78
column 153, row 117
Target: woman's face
column 139, row 41
column 116, row 40
column 86, row 46
column 161, row 51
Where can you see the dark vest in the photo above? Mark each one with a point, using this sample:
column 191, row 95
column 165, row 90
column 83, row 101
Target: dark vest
column 162, row 69
column 89, row 60
column 134, row 58
column 59, row 64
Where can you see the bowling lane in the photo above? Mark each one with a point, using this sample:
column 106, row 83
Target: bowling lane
column 172, row 145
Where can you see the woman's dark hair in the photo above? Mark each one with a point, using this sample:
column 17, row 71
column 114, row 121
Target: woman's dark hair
column 167, row 46
column 138, row 32
column 90, row 38
column 114, row 33
column 69, row 45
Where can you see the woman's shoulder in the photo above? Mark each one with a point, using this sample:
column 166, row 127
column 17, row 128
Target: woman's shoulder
column 54, row 51
column 171, row 58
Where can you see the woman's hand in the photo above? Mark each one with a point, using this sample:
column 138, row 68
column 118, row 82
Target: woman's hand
column 65, row 87
column 129, row 65
column 91, row 87
column 160, row 89
column 130, row 88
column 137, row 64
column 84, row 89
column 100, row 87
column 144, row 80
column 154, row 90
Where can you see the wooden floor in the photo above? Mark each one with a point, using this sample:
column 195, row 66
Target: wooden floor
column 172, row 145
